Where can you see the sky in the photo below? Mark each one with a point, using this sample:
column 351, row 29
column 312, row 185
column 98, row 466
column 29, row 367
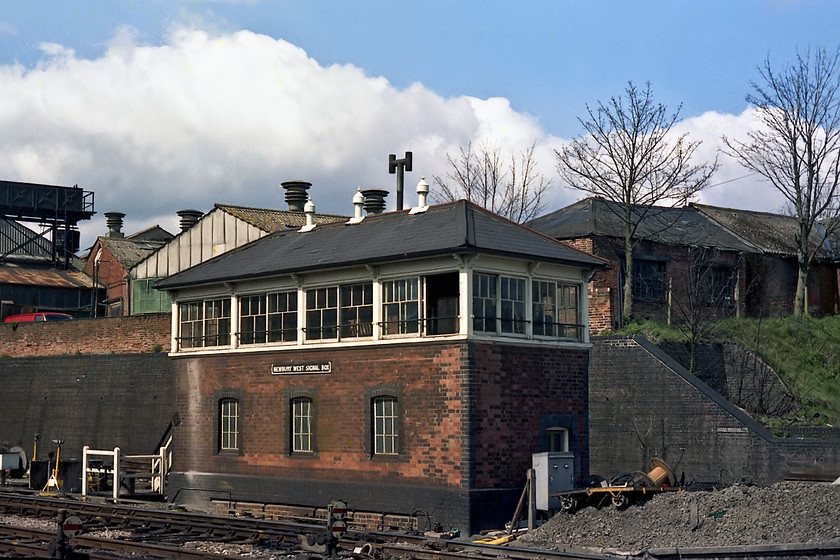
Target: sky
column 158, row 106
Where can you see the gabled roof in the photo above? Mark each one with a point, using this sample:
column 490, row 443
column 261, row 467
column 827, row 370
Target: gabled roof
column 153, row 233
column 668, row 226
column 771, row 233
column 128, row 251
column 273, row 220
column 457, row 227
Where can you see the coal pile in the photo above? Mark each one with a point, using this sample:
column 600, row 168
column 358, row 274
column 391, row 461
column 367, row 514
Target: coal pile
column 784, row 513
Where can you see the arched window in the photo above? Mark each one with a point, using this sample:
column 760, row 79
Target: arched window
column 229, row 424
column 385, row 426
column 301, row 425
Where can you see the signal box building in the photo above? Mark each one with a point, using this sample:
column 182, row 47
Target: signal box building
column 405, row 362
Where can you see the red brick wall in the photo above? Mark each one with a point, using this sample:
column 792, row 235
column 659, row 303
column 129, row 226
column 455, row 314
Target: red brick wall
column 493, row 399
column 518, row 390
column 606, row 288
column 427, row 378
column 601, row 313
column 111, row 275
column 117, row 335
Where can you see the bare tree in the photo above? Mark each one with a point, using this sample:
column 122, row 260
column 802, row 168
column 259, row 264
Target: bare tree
column 512, row 188
column 797, row 148
column 628, row 156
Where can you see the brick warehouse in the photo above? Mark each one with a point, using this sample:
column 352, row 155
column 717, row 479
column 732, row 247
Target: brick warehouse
column 435, row 350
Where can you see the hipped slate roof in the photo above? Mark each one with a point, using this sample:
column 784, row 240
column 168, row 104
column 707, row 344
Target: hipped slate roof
column 273, row 220
column 669, row 226
column 458, row 227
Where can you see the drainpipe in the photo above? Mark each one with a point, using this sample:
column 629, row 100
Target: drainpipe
column 127, row 308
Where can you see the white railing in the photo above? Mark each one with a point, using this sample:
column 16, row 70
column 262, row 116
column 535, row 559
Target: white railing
column 159, row 466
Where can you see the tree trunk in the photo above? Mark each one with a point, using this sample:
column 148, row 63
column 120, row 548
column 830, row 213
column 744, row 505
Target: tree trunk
column 627, row 302
column 800, row 301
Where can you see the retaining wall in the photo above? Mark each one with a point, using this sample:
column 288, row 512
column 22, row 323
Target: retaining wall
column 643, row 404
column 104, row 401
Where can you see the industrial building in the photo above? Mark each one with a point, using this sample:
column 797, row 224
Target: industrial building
column 204, row 236
column 412, row 360
column 38, row 239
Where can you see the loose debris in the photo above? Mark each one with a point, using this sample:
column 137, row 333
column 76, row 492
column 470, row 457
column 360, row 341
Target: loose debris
column 787, row 512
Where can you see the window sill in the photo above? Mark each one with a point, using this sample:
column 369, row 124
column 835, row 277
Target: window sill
column 388, row 458
column 303, row 455
column 229, row 453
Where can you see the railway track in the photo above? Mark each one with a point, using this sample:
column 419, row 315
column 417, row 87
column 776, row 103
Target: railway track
column 158, row 533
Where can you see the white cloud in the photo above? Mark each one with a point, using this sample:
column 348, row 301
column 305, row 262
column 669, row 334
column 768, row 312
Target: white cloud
column 226, row 118
column 733, row 186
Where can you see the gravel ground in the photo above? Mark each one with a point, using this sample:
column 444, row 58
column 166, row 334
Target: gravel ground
column 787, row 512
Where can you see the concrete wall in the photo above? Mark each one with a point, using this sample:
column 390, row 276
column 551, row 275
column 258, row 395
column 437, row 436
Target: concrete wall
column 643, row 404
column 471, row 415
column 113, row 335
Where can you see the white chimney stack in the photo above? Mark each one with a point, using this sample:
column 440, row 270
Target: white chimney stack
column 358, row 203
column 422, row 191
column 309, row 210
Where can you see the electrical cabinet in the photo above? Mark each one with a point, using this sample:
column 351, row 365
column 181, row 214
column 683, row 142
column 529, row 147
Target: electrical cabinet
column 554, row 471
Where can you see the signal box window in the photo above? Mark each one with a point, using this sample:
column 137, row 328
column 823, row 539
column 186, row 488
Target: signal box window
column 356, row 310
column 442, row 303
column 385, row 426
column 301, row 425
column 229, row 425
column 400, row 306
column 322, row 313
column 268, row 318
column 204, row 323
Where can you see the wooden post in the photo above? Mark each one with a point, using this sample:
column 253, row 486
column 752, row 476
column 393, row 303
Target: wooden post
column 532, row 500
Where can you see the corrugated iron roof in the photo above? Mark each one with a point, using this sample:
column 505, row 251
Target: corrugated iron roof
column 275, row 220
column 458, row 227
column 39, row 276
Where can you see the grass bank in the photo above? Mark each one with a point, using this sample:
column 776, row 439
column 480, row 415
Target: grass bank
column 804, row 351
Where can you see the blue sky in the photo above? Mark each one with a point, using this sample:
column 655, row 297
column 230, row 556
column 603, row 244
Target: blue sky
column 161, row 105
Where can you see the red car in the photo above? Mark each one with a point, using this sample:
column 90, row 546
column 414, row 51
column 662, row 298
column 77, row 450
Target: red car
column 37, row 317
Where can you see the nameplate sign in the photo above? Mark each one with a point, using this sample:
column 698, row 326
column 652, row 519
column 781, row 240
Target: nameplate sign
column 301, row 369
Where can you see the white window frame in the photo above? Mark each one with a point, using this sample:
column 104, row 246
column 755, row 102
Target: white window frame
column 204, row 323
column 301, row 425
column 394, row 296
column 229, row 424
column 265, row 336
column 386, row 422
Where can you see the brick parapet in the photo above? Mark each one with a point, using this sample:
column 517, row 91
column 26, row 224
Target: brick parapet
column 112, row 335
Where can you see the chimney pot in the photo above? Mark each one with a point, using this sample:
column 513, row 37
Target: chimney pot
column 358, row 203
column 189, row 218
column 296, row 194
column 374, row 200
column 422, row 191
column 114, row 221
